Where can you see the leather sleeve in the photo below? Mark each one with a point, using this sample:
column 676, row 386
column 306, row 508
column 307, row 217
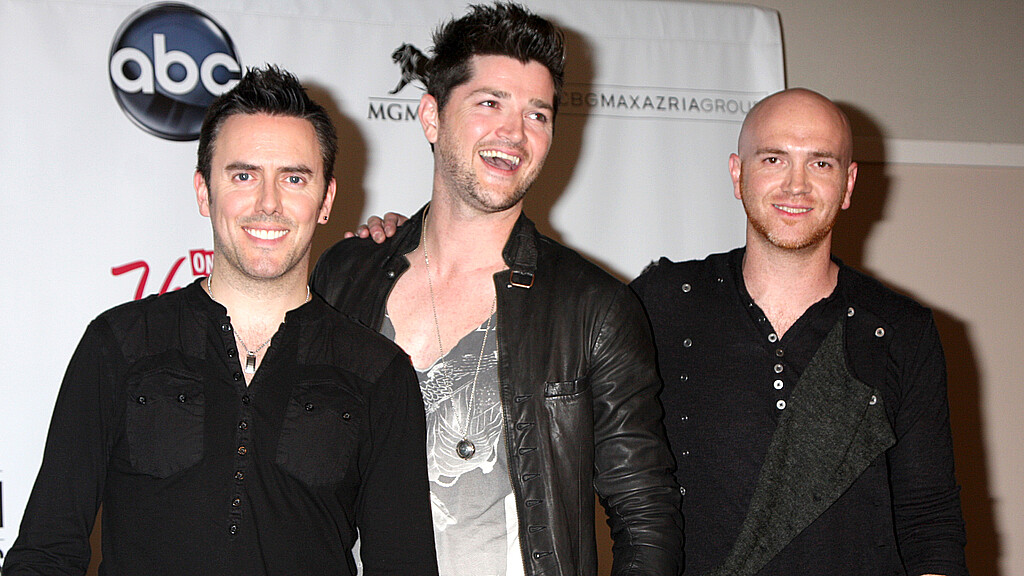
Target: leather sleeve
column 633, row 464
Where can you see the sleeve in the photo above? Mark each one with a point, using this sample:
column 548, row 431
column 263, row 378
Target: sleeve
column 633, row 464
column 926, row 497
column 61, row 510
column 393, row 509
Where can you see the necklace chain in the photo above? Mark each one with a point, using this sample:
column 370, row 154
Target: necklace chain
column 465, row 448
column 250, row 355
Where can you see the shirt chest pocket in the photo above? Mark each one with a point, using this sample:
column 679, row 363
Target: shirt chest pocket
column 164, row 422
column 320, row 433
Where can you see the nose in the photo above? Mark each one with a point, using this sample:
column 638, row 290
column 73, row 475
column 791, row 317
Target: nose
column 512, row 127
column 796, row 182
column 268, row 201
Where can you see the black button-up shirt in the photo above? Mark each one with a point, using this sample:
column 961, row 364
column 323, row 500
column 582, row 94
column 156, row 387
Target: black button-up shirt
column 726, row 388
column 199, row 474
column 729, row 380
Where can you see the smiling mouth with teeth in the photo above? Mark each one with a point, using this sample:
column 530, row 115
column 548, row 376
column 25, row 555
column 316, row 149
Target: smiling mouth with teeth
column 264, row 234
column 790, row 210
column 500, row 160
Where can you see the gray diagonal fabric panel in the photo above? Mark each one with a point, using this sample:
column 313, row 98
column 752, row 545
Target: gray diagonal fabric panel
column 834, row 426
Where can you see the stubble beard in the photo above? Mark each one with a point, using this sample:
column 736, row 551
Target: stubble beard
column 763, row 226
column 465, row 184
column 257, row 269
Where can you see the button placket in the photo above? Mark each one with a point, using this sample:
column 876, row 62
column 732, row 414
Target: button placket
column 243, row 443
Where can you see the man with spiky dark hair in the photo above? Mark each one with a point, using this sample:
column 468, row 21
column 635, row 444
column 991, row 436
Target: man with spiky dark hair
column 536, row 367
column 239, row 425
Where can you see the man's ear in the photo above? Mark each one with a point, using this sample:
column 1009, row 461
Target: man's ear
column 851, row 179
column 202, row 193
column 429, row 115
column 735, row 170
column 328, row 203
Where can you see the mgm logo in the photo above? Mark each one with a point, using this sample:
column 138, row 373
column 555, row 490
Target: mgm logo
column 412, row 64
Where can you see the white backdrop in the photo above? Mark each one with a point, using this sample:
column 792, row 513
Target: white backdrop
column 654, row 95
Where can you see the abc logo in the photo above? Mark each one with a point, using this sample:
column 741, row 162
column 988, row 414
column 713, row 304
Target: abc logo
column 167, row 64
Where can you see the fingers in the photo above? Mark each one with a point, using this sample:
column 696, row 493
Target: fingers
column 380, row 229
column 375, row 229
column 392, row 220
column 361, row 232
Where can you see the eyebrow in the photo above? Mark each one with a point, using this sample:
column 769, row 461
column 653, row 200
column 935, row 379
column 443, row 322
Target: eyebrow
column 537, row 102
column 781, row 152
column 298, row 169
column 241, row 166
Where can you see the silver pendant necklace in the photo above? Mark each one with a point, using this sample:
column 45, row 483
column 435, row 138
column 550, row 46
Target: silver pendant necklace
column 465, row 448
column 250, row 355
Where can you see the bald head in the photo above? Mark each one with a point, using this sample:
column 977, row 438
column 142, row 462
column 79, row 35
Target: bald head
column 793, row 170
column 797, row 108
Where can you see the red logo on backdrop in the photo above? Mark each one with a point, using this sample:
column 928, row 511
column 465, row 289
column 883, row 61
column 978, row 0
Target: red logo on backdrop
column 200, row 260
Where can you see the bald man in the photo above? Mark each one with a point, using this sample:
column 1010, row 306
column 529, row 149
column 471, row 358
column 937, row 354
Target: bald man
column 805, row 402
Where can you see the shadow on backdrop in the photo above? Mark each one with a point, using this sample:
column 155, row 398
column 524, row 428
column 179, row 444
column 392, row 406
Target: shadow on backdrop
column 568, row 139
column 349, row 172
column 967, row 421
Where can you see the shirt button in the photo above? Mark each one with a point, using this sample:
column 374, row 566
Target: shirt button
column 779, row 368
column 141, row 400
column 243, row 425
column 242, row 450
column 346, row 416
column 780, row 352
column 682, row 491
column 239, row 475
column 687, row 343
column 182, row 398
column 237, row 376
column 309, row 406
column 880, row 332
column 850, row 312
column 233, row 529
column 773, row 337
column 245, row 400
column 225, row 327
column 232, row 352
column 874, row 400
column 684, row 418
column 686, row 287
column 781, row 404
column 778, row 384
column 683, row 378
column 684, row 453
column 236, row 502
column 391, row 274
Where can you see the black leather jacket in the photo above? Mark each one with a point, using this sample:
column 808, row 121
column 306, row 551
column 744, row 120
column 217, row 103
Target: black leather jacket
column 579, row 392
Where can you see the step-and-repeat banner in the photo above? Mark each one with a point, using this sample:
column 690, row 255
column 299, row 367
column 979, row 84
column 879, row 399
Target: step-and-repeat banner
column 100, row 102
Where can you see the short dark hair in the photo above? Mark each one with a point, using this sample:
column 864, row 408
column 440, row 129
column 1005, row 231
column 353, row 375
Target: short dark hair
column 502, row 29
column 273, row 91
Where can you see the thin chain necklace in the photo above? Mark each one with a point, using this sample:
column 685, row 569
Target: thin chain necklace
column 465, row 448
column 250, row 355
